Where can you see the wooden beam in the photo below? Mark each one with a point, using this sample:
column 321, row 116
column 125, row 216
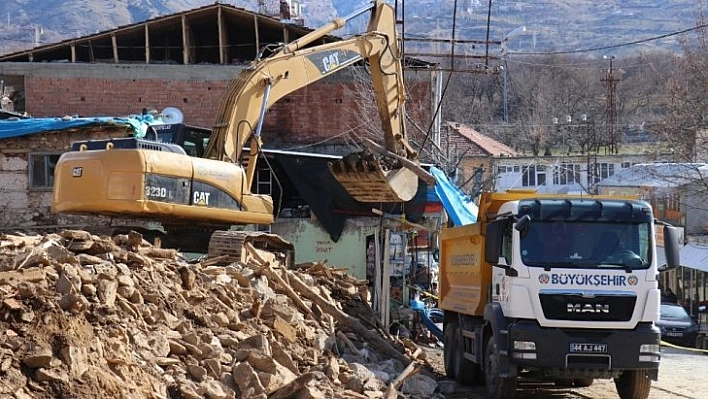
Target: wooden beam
column 147, row 44
column 415, row 168
column 185, row 40
column 373, row 338
column 92, row 57
column 114, row 43
column 221, row 27
column 258, row 40
column 386, row 283
column 398, row 219
column 286, row 35
column 378, row 272
column 411, row 369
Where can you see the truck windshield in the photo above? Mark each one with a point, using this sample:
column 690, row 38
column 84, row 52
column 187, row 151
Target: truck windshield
column 586, row 244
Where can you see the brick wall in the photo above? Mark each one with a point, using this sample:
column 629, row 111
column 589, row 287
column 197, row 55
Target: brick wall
column 58, row 96
column 314, row 113
column 321, row 111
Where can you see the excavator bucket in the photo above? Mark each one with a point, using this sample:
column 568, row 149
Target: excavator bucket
column 370, row 178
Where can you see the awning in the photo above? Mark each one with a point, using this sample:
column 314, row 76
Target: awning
column 695, row 256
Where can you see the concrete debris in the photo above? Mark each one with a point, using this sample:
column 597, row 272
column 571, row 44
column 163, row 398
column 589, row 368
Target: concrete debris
column 84, row 316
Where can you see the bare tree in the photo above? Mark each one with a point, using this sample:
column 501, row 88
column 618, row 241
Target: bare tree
column 686, row 100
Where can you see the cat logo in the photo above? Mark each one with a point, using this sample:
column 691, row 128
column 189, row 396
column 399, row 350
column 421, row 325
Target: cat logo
column 77, row 171
column 201, row 198
column 330, row 62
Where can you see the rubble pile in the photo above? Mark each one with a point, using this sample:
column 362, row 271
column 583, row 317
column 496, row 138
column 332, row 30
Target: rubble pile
column 84, row 316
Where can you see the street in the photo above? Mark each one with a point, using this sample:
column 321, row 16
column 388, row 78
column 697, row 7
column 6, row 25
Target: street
column 677, row 379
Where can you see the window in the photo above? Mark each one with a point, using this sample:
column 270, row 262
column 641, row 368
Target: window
column 529, row 177
column 533, row 175
column 600, row 171
column 566, row 174
column 506, row 242
column 41, row 170
column 606, row 170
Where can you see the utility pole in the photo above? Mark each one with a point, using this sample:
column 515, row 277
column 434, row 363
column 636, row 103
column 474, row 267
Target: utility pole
column 504, row 51
column 610, row 81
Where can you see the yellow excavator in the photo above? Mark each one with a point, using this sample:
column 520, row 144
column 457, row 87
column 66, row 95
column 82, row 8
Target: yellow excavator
column 141, row 178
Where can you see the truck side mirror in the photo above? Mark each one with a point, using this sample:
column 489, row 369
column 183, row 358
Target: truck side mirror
column 492, row 242
column 522, row 223
column 671, row 247
column 493, row 246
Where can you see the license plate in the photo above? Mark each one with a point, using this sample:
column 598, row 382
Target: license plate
column 674, row 334
column 588, row 348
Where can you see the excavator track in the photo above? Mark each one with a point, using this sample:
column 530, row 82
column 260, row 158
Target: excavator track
column 370, row 178
column 269, row 247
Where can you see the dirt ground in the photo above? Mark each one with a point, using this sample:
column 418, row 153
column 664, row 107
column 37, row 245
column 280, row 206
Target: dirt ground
column 676, row 380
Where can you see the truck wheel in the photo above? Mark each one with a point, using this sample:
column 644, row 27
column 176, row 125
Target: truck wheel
column 465, row 370
column 633, row 384
column 449, row 334
column 497, row 387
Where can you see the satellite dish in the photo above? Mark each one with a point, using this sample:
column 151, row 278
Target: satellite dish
column 172, row 115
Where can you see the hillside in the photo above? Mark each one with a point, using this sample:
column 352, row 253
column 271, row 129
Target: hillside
column 552, row 25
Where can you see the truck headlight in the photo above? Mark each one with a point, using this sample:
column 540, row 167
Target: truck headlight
column 650, row 348
column 524, row 345
column 524, row 350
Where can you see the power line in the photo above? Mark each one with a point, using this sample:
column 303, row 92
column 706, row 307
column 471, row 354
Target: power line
column 587, row 50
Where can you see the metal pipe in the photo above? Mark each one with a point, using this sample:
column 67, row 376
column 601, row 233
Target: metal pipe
column 335, row 24
column 264, row 107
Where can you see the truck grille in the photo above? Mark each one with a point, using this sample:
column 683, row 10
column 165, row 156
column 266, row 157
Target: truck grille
column 577, row 306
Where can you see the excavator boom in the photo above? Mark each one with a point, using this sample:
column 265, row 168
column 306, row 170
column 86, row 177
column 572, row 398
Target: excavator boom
column 295, row 66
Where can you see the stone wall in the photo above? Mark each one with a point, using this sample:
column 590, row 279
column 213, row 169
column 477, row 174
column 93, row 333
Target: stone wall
column 22, row 206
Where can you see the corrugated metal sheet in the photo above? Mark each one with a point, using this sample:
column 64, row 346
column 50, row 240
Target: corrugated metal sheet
column 695, row 256
column 657, row 175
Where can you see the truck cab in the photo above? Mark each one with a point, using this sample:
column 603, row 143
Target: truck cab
column 553, row 288
column 576, row 263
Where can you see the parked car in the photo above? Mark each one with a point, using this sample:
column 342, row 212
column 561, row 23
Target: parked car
column 702, row 340
column 676, row 326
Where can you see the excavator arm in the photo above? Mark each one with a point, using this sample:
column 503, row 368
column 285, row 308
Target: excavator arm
column 294, row 66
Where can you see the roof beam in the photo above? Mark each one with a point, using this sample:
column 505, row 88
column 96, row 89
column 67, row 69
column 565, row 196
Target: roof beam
column 147, row 44
column 185, row 40
column 221, row 26
column 286, row 34
column 92, row 56
column 114, row 44
column 258, row 39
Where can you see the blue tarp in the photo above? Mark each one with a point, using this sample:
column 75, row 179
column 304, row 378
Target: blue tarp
column 458, row 205
column 136, row 125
